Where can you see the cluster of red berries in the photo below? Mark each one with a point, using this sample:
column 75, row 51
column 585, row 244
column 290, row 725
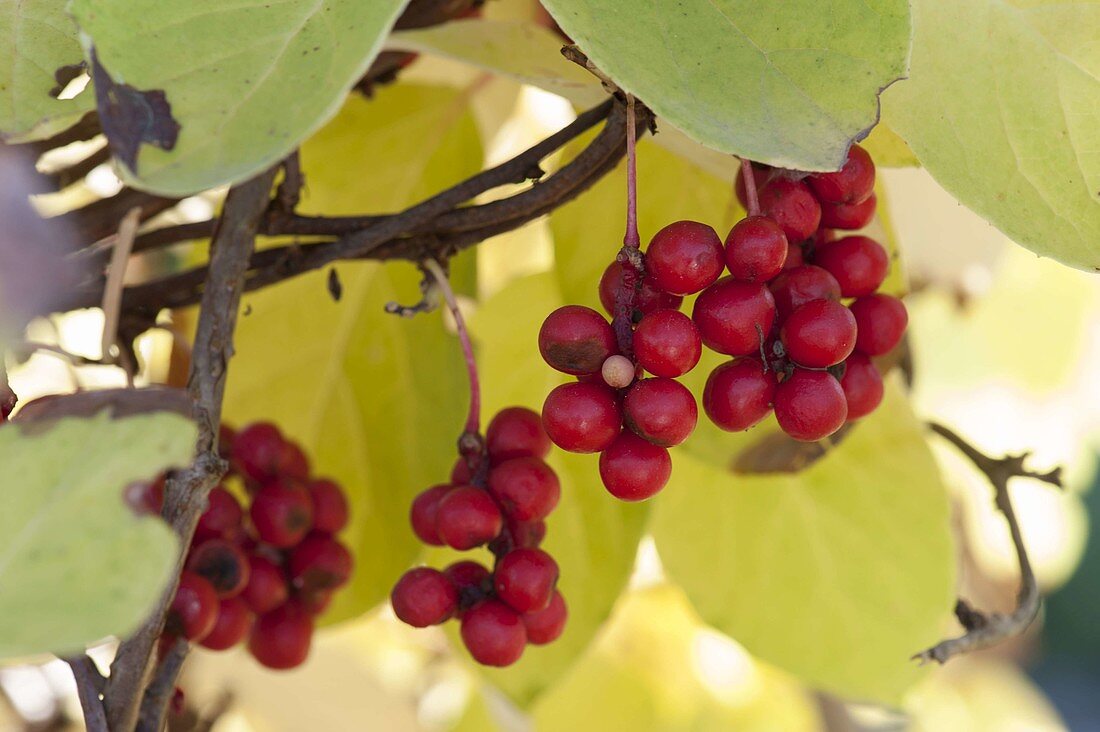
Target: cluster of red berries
column 796, row 347
column 266, row 575
column 499, row 497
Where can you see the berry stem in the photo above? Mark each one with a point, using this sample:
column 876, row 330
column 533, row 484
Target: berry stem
column 750, row 187
column 630, row 256
column 631, row 238
column 473, row 423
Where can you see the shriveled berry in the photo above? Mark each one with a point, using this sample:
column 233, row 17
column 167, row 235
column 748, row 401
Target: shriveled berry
column 617, row 371
column 810, row 405
column 859, row 264
column 232, row 626
column 468, row 517
column 222, row 517
column 795, row 287
column 330, row 506
column 819, row 334
column 320, row 562
column 791, row 205
column 281, row 638
column 422, row 514
column 282, row 514
column 525, row 579
column 633, row 469
column 267, row 585
column 667, row 343
column 223, row 564
column 582, row 417
column 881, row 320
column 661, row 410
column 194, row 608
column 424, row 596
column 738, row 394
column 853, row 183
column 862, row 385
column 756, row 249
column 493, row 633
column 576, row 340
column 527, row 488
column 734, row 317
column 516, row 432
column 472, row 581
column 684, row 257
column 646, row 300
column 850, row 216
column 546, row 625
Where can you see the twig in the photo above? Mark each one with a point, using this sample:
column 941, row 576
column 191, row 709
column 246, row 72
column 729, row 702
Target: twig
column 116, row 273
column 573, row 53
column 186, row 491
column 154, row 704
column 289, row 192
column 473, row 416
column 89, row 685
column 985, row 630
column 100, row 218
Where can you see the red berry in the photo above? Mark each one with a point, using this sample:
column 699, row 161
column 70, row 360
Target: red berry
column 282, row 514
column 472, row 581
column 858, row 263
column 516, row 432
column 582, row 417
column 525, row 579
column 881, row 320
column 661, row 410
column 257, row 450
column 756, row 249
column 527, row 488
column 233, row 623
column 862, row 385
column 794, row 258
column 292, row 462
column 226, row 437
column 330, row 506
column 734, row 317
column 460, row 473
column 853, row 183
column 795, row 287
column 810, row 405
column 145, row 497
column 738, row 394
column 468, row 517
column 194, row 608
column 646, row 300
column 633, row 469
column 223, row 564
column 526, row 533
column 267, row 585
column 424, row 596
column 315, row 602
column 319, row 563
column 819, row 334
column 544, row 626
column 493, row 633
column 222, row 517
column 761, row 174
column 422, row 514
column 849, row 216
column 280, row 639
column 791, row 205
column 667, row 343
column 576, row 340
column 684, row 257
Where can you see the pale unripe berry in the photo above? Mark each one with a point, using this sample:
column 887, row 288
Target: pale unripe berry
column 617, row 371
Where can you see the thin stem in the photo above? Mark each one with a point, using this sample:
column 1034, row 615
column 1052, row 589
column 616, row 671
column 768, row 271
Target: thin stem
column 473, row 417
column 631, row 238
column 630, row 256
column 89, row 685
column 750, row 187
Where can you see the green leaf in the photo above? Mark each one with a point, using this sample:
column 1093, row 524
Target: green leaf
column 76, row 565
column 792, row 85
column 247, row 82
column 376, row 400
column 837, row 574
column 37, row 37
column 1006, row 117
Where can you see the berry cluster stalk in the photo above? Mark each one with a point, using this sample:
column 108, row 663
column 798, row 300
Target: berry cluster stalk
column 630, row 256
column 749, row 180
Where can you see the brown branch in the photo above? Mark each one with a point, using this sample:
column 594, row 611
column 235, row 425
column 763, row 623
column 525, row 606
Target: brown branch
column 985, row 630
column 89, row 685
column 186, row 490
column 154, row 704
column 100, row 219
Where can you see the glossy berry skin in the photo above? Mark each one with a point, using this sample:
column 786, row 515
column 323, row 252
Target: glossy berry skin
column 222, row 517
column 223, row 564
column 232, row 626
column 795, row 287
column 853, row 183
column 467, row 517
column 810, row 405
column 738, row 394
column 527, row 488
column 493, row 633
column 516, row 432
column 281, row 638
column 282, row 514
column 319, row 563
column 646, row 300
column 262, row 454
column 473, row 582
column 733, row 316
column 667, row 343
column 791, row 205
column 546, row 625
column 633, row 469
column 525, row 579
column 661, row 410
column 267, row 586
column 582, row 417
column 819, row 334
column 684, row 257
column 881, row 320
column 858, row 263
column 194, row 608
column 862, row 385
column 576, row 340
column 422, row 514
column 330, row 506
column 850, row 216
column 756, row 249
column 424, row 596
